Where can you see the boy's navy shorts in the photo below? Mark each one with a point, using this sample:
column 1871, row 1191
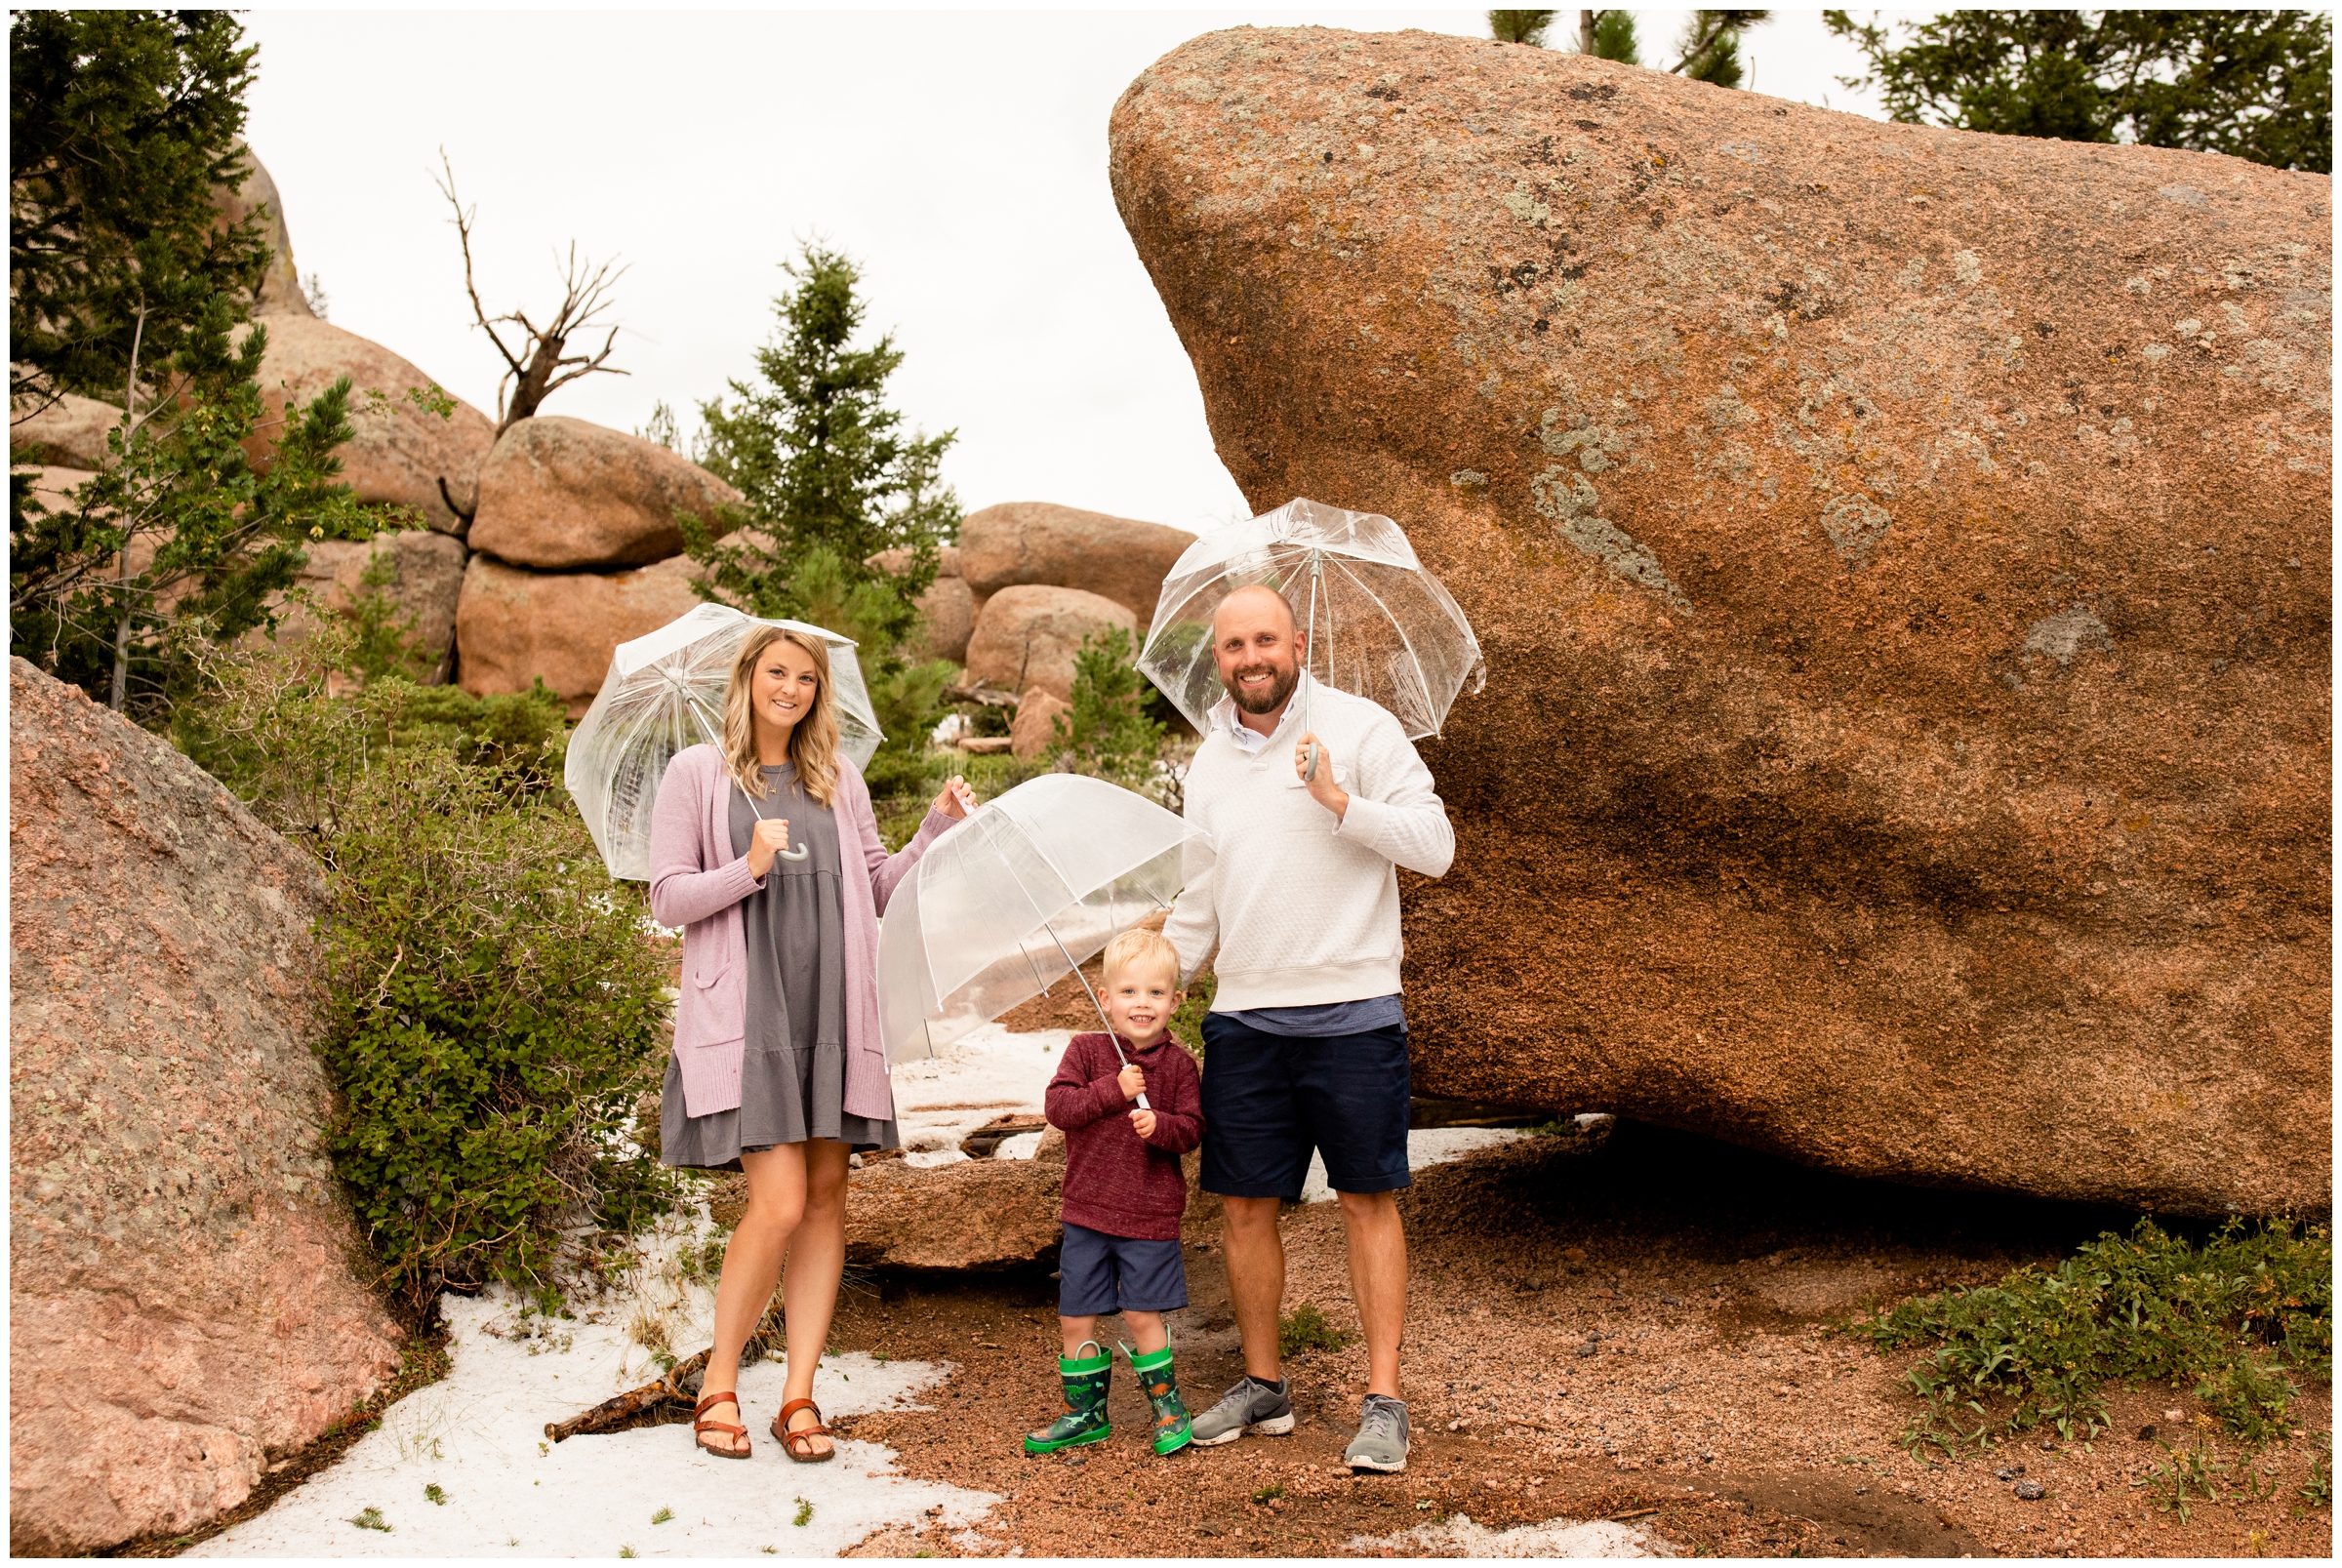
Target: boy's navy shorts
column 1100, row 1273
column 1270, row 1099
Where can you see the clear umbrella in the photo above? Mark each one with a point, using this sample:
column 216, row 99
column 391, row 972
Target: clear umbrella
column 666, row 691
column 1379, row 624
column 1023, row 893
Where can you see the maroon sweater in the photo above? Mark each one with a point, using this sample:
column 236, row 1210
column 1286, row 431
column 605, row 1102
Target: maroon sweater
column 1116, row 1181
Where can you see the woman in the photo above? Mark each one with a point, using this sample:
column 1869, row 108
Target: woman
column 766, row 853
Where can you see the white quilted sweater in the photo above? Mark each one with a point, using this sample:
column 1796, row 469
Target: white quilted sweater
column 1304, row 908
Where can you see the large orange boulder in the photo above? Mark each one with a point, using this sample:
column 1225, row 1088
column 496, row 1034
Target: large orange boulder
column 67, row 433
column 559, row 493
column 1904, row 562
column 947, row 609
column 183, row 1297
column 1028, row 636
column 514, row 627
column 419, row 575
column 1032, row 541
column 401, row 452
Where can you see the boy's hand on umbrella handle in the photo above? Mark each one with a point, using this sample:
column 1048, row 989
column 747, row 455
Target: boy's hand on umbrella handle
column 1144, row 1121
column 770, row 838
column 1314, row 765
column 956, row 800
column 1131, row 1081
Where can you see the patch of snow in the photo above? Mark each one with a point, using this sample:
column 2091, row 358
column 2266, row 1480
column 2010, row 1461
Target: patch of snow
column 478, row 1435
column 1425, row 1145
column 1023, row 1147
column 985, row 1073
column 1459, row 1537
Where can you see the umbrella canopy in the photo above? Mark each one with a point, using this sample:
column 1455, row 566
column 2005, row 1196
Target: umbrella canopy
column 1379, row 624
column 1014, row 899
column 666, row 691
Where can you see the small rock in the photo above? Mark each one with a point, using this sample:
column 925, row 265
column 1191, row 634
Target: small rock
column 1076, row 1459
column 2147, row 1434
column 1707, row 1457
column 1670, row 1299
column 2174, row 1416
column 1587, row 1348
column 2029, row 1491
column 2008, row 1472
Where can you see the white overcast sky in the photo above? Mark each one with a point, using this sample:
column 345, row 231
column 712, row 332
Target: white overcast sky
column 959, row 155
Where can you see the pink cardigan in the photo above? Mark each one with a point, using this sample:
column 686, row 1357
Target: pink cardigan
column 697, row 883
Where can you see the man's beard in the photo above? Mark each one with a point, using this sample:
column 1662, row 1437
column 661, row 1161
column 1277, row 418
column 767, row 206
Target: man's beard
column 1280, row 687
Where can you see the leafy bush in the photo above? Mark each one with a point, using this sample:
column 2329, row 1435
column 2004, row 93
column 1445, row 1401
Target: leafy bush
column 496, row 1005
column 1186, row 1025
column 2147, row 1307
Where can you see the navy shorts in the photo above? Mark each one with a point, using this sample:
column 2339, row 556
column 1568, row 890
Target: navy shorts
column 1270, row 1099
column 1100, row 1273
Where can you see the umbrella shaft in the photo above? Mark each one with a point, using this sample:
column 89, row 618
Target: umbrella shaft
column 1111, row 1038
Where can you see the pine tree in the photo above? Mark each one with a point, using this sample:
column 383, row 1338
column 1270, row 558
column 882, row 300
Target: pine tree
column 125, row 285
column 829, row 481
column 823, row 465
column 1614, row 37
column 2254, row 84
column 1520, row 26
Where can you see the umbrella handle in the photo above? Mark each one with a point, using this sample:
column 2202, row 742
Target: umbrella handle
column 1309, row 774
column 792, row 855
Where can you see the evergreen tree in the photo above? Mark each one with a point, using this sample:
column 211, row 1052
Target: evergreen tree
column 829, row 481
column 1614, row 37
column 121, row 124
column 823, row 465
column 126, row 285
column 1520, row 26
column 2253, row 84
column 1711, row 45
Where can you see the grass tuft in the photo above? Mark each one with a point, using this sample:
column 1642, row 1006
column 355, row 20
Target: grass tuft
column 434, row 1493
column 371, row 1519
column 804, row 1515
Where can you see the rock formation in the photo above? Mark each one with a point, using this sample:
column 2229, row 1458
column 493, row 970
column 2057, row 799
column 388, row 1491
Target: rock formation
column 514, row 625
column 1034, row 731
column 1027, row 636
column 281, row 293
column 68, row 434
column 1903, row 559
column 969, row 1214
column 427, row 577
column 182, row 1303
column 562, row 493
column 948, row 605
column 401, row 454
column 1032, row 541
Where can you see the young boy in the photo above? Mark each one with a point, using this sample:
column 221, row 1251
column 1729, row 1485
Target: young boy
column 1123, row 1194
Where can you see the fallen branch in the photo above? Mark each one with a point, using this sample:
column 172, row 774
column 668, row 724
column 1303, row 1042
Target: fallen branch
column 667, row 1389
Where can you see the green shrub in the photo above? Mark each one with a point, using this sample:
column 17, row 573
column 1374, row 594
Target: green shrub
column 1305, row 1328
column 1186, row 1025
column 2149, row 1307
column 495, row 1004
column 1107, row 732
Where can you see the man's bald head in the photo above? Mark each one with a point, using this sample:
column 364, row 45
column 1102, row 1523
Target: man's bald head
column 1250, row 601
column 1256, row 649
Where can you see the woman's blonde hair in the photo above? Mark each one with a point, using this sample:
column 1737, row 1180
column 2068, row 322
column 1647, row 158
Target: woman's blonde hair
column 812, row 743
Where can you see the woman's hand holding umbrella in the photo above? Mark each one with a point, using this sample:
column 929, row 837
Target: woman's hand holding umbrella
column 955, row 800
column 770, row 838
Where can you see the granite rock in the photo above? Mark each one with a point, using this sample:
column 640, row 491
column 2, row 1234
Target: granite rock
column 1904, row 561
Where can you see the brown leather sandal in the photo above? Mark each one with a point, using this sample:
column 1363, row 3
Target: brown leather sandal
column 793, row 1443
column 729, row 1396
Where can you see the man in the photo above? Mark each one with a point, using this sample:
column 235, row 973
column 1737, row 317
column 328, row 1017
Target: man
column 1305, row 1047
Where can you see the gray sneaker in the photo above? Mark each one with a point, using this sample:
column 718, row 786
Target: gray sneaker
column 1382, row 1440
column 1251, row 1406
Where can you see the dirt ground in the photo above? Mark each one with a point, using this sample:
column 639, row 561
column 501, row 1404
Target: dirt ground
column 1716, row 1408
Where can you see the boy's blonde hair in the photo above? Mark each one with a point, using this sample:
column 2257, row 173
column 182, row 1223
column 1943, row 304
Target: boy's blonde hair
column 1140, row 948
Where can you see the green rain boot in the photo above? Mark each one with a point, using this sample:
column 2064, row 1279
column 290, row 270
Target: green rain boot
column 1084, row 1422
column 1161, row 1383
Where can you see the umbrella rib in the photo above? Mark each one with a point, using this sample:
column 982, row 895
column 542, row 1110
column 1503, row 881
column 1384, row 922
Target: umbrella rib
column 1395, row 625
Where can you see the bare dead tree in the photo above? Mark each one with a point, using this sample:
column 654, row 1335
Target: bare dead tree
column 540, row 365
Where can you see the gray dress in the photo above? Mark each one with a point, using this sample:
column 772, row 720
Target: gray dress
column 792, row 1071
